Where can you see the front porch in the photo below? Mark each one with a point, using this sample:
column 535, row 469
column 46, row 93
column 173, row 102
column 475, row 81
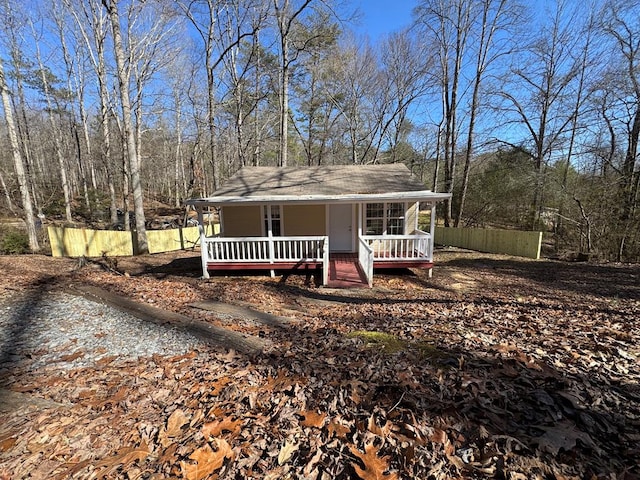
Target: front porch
column 308, row 253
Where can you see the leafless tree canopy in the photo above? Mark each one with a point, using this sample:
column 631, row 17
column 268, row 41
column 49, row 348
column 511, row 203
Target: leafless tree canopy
column 528, row 114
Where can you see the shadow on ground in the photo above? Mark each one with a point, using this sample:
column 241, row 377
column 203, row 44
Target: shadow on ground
column 507, row 395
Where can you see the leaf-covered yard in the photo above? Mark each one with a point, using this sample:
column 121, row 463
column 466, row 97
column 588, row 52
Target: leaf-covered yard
column 494, row 368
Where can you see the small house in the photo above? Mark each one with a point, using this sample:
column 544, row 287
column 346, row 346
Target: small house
column 343, row 220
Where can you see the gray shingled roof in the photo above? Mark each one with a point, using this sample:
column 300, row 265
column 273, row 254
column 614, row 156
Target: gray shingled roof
column 323, row 180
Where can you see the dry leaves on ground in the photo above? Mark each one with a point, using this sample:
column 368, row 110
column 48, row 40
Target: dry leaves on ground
column 495, row 368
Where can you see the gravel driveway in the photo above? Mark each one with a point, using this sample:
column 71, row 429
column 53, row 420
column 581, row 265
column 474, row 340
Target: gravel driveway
column 65, row 331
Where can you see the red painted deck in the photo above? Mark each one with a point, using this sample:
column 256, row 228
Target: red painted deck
column 344, row 271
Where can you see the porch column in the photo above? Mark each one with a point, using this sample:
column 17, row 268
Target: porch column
column 432, row 233
column 272, row 253
column 203, row 242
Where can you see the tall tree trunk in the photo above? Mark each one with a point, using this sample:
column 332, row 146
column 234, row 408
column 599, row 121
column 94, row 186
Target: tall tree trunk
column 284, row 101
column 129, row 131
column 57, row 136
column 21, row 122
column 436, row 167
column 179, row 182
column 79, row 94
column 19, row 164
column 7, row 197
column 285, row 18
column 488, row 29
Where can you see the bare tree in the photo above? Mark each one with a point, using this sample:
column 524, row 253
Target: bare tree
column 493, row 17
column 55, row 125
column 583, row 90
column 216, row 48
column 13, row 20
column 355, row 91
column 239, row 63
column 448, row 24
column 406, row 78
column 622, row 23
column 93, row 27
column 129, row 130
column 287, row 15
column 19, row 164
column 536, row 94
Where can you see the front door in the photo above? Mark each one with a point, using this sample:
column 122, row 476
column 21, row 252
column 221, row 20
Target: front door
column 341, row 228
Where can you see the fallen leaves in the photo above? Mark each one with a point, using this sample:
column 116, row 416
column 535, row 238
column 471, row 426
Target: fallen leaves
column 375, row 467
column 217, row 427
column 289, row 447
column 408, row 381
column 175, row 423
column 312, row 419
column 207, row 461
column 123, row 459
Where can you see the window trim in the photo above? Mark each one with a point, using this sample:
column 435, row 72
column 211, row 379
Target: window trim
column 385, row 217
column 267, row 220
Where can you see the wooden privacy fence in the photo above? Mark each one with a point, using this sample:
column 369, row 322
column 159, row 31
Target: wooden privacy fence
column 78, row 242
column 507, row 242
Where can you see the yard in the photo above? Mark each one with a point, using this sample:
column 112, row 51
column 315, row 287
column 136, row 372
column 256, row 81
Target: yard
column 496, row 367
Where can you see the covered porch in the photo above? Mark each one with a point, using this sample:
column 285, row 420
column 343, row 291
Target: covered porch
column 315, row 253
column 306, row 218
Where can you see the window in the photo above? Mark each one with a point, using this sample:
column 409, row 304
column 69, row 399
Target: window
column 375, row 219
column 276, row 220
column 384, row 219
column 395, row 218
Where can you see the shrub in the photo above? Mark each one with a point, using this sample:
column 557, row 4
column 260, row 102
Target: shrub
column 14, row 242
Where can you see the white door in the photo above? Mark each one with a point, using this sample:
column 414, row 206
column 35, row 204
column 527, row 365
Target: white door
column 341, row 228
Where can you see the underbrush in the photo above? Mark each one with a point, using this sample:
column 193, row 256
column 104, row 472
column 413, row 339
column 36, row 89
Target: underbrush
column 13, row 242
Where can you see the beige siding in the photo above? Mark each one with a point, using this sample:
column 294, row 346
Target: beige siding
column 411, row 219
column 242, row 221
column 304, row 220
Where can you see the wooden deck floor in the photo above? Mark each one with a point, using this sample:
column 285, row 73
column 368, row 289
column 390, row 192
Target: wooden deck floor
column 344, row 271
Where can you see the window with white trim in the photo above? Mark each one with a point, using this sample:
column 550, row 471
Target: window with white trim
column 276, row 220
column 384, row 218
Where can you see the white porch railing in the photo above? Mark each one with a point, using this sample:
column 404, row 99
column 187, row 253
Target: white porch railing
column 415, row 247
column 365, row 257
column 268, row 250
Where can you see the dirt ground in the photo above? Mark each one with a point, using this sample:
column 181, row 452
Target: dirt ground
column 497, row 367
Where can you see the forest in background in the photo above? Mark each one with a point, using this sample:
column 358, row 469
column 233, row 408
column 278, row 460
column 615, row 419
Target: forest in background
column 528, row 112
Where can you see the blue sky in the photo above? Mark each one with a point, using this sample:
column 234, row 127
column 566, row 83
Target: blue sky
column 380, row 17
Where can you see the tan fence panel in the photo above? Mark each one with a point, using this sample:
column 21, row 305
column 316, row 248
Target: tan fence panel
column 78, row 242
column 172, row 239
column 507, row 242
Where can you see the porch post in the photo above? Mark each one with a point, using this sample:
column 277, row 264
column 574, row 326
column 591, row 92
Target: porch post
column 272, row 252
column 432, row 232
column 203, row 243
column 325, row 261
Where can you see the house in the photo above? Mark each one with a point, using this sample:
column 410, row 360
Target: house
column 345, row 220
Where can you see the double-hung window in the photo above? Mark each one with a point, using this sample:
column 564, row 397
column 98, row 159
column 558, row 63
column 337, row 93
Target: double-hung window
column 276, row 220
column 384, row 218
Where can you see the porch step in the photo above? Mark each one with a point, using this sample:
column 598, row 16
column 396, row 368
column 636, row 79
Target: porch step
column 344, row 272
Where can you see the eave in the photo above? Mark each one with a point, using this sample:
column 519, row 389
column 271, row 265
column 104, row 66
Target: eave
column 426, row 196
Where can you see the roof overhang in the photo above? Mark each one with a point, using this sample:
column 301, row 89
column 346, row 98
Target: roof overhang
column 426, row 196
